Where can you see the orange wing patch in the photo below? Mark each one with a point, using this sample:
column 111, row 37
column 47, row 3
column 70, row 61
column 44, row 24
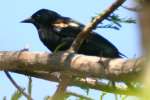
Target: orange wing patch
column 73, row 24
column 61, row 25
column 64, row 24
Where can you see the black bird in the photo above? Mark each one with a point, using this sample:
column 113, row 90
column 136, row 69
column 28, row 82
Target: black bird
column 57, row 31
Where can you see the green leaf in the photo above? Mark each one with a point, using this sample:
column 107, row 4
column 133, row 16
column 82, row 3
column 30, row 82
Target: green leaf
column 47, row 98
column 116, row 19
column 16, row 95
column 124, row 97
column 102, row 95
column 59, row 46
column 110, row 26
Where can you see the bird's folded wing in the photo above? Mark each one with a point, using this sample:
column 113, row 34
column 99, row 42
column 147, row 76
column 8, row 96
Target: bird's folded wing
column 67, row 27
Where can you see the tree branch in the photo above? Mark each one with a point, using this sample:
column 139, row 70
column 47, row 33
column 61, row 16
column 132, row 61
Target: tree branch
column 79, row 95
column 83, row 83
column 43, row 65
column 61, row 90
column 75, row 64
column 17, row 86
column 92, row 25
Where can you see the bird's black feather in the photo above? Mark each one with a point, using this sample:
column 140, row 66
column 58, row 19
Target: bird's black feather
column 54, row 30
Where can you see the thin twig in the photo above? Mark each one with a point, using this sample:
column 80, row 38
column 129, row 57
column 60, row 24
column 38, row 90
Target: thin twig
column 29, row 87
column 79, row 95
column 92, row 25
column 17, row 86
column 135, row 9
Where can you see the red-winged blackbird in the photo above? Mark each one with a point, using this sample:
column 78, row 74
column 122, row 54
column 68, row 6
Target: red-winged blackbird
column 55, row 30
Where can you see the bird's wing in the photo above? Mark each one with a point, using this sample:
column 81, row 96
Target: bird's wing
column 67, row 27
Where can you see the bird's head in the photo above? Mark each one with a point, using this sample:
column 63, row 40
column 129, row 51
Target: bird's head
column 42, row 17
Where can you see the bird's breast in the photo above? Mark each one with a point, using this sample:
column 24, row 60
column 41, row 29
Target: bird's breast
column 48, row 38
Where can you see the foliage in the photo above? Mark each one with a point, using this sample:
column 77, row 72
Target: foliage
column 114, row 22
column 16, row 95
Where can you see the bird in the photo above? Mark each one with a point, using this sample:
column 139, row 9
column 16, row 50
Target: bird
column 58, row 32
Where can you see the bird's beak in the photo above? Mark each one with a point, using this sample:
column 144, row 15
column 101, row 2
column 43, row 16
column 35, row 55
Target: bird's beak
column 28, row 20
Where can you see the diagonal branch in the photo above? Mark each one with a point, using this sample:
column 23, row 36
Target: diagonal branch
column 17, row 86
column 79, row 95
column 92, row 25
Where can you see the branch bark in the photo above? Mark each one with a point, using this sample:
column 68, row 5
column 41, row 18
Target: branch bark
column 42, row 65
column 84, row 83
column 73, row 64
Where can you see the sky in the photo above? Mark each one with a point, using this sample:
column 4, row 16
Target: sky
column 15, row 35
